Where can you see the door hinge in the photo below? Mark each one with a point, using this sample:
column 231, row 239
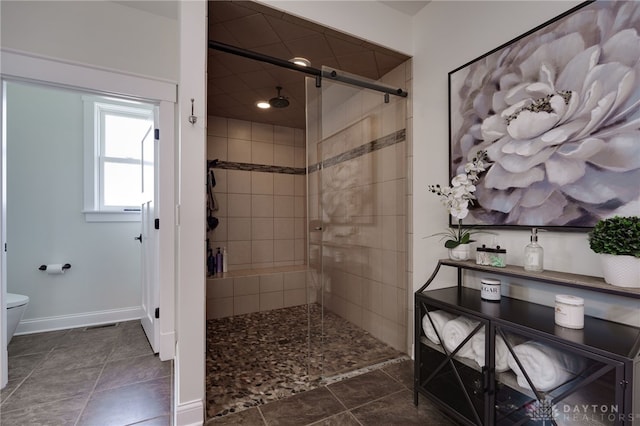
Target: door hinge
column 5, row 247
column 156, row 134
column 157, row 313
column 156, row 223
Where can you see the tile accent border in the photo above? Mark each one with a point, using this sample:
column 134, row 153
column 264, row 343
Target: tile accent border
column 250, row 167
column 383, row 142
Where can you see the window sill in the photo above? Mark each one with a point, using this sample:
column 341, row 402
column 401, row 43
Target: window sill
column 103, row 216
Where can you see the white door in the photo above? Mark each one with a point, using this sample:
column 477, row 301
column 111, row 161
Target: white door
column 149, row 241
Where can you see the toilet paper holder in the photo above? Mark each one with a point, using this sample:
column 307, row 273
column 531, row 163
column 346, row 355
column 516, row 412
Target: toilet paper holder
column 64, row 267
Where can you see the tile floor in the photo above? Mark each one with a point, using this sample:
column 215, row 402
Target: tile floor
column 261, row 357
column 382, row 397
column 87, row 377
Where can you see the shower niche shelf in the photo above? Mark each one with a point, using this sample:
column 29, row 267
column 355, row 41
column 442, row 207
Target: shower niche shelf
column 507, row 362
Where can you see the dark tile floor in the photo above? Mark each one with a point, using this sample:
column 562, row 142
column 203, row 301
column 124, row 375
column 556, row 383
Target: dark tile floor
column 87, row 377
column 379, row 397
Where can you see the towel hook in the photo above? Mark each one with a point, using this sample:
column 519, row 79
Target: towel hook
column 192, row 118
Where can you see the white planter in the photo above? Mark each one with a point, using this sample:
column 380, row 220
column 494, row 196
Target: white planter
column 462, row 252
column 621, row 271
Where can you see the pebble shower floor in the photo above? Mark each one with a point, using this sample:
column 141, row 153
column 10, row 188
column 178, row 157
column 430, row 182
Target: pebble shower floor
column 261, row 357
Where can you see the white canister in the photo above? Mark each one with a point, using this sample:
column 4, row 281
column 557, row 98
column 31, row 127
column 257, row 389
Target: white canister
column 490, row 289
column 569, row 311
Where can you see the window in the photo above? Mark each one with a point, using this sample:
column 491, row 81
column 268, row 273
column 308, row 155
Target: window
column 114, row 132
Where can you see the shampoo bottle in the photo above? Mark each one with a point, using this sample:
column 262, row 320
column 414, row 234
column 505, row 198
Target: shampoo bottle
column 533, row 254
column 219, row 261
column 224, row 260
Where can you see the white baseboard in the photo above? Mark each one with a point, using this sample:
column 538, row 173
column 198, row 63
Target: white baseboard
column 167, row 346
column 63, row 322
column 190, row 414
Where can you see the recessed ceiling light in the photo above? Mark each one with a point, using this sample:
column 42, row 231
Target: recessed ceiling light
column 301, row 61
column 263, row 104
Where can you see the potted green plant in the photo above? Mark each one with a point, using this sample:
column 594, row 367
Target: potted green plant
column 617, row 241
column 457, row 198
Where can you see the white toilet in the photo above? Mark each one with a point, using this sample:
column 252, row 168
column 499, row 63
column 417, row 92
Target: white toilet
column 16, row 305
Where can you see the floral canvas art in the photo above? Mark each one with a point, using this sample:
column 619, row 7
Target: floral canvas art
column 558, row 113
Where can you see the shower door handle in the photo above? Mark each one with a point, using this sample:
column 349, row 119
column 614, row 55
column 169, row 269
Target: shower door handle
column 139, row 238
column 315, row 225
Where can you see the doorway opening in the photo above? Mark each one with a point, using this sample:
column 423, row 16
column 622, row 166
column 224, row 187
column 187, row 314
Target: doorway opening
column 312, row 206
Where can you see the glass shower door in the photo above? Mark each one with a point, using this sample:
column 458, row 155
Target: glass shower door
column 357, row 185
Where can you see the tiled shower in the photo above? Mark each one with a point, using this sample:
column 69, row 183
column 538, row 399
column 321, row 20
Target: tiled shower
column 349, row 175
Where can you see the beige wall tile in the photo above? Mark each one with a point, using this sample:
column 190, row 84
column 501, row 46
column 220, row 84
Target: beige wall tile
column 261, row 132
column 246, row 304
column 283, row 184
column 219, row 308
column 283, row 156
column 262, row 153
column 219, row 288
column 389, row 232
column 295, row 297
column 283, row 250
column 217, row 148
column 283, row 135
column 262, row 251
column 283, row 206
column 221, row 181
column 300, row 207
column 299, row 185
column 220, row 234
column 217, row 126
column 262, row 206
column 389, row 199
column 295, row 280
column 262, row 228
column 239, row 150
column 239, row 205
column 262, row 183
column 299, row 228
column 243, row 286
column 393, row 334
column 298, row 137
column 238, row 182
column 390, row 267
column 238, row 253
column 300, row 250
column 372, row 295
column 390, row 304
column 353, row 313
column 239, row 229
column 299, row 157
column 270, row 301
column 271, row 282
column 239, row 129
column 283, row 228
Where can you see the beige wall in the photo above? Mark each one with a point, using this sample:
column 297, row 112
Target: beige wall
column 262, row 215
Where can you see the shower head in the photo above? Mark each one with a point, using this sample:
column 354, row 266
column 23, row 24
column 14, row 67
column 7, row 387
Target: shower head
column 279, row 101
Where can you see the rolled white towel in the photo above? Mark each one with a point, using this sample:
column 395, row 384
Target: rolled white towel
column 501, row 351
column 439, row 318
column 455, row 331
column 547, row 367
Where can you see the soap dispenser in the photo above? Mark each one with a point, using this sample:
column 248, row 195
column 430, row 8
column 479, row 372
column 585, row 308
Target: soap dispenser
column 533, row 254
